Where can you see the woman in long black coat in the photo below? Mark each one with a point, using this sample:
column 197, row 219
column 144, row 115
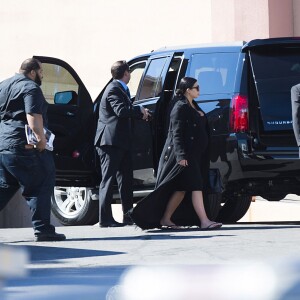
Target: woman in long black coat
column 182, row 175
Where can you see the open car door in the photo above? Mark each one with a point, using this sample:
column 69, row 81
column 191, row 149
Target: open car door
column 155, row 91
column 275, row 69
column 70, row 118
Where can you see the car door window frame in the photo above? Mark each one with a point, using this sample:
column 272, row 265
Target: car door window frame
column 132, row 68
column 168, row 57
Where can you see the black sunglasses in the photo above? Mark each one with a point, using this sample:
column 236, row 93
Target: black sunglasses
column 195, row 87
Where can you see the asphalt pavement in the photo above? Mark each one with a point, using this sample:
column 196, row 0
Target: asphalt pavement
column 241, row 261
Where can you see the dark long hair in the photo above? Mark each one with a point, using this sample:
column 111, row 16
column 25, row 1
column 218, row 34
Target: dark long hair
column 184, row 84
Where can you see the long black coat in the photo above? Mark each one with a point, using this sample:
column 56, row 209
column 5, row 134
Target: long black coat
column 149, row 211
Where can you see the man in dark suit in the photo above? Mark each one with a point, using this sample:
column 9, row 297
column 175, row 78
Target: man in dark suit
column 113, row 144
column 295, row 98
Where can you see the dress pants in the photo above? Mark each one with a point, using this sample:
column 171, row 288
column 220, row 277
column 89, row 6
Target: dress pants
column 116, row 163
column 295, row 101
column 34, row 172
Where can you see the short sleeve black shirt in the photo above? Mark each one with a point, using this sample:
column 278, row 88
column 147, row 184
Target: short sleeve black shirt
column 19, row 96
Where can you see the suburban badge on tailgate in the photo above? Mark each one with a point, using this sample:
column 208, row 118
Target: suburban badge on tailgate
column 279, row 122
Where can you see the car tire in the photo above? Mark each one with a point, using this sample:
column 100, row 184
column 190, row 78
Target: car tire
column 234, row 208
column 273, row 197
column 212, row 205
column 75, row 205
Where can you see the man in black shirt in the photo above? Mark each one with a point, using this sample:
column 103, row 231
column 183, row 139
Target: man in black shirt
column 23, row 165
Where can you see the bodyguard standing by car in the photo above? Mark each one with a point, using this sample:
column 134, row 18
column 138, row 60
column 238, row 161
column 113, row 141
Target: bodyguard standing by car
column 23, row 165
column 295, row 99
column 113, row 143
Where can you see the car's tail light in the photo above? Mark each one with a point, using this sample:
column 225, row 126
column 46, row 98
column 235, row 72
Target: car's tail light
column 239, row 113
column 75, row 154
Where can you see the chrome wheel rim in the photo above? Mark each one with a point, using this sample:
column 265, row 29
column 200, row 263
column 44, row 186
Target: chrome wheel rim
column 70, row 200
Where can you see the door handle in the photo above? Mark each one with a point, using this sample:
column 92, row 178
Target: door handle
column 70, row 114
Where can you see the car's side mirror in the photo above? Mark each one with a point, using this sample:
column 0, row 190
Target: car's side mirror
column 66, row 97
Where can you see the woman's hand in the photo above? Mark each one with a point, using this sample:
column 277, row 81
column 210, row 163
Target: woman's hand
column 183, row 162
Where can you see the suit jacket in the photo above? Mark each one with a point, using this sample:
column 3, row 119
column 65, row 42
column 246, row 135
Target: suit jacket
column 115, row 113
column 295, row 98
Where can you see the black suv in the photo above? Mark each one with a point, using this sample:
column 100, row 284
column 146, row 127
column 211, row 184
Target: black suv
column 245, row 92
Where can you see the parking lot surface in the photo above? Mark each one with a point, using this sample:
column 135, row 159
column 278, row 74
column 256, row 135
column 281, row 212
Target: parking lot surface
column 105, row 263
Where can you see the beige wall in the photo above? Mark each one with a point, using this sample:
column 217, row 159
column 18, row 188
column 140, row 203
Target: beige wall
column 281, row 18
column 296, row 17
column 234, row 20
column 92, row 34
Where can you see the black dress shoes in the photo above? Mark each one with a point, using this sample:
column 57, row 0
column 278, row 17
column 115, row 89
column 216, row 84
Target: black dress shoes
column 111, row 224
column 49, row 237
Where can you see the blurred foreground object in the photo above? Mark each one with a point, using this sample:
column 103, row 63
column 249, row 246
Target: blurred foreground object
column 247, row 281
column 13, row 261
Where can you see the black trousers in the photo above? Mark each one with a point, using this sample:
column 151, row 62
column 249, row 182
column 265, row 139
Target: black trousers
column 116, row 163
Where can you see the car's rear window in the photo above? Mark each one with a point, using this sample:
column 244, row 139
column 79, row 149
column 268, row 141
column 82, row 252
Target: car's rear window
column 275, row 71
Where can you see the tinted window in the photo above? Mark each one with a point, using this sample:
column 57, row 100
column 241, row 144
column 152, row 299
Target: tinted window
column 172, row 74
column 276, row 63
column 275, row 71
column 57, row 79
column 152, row 84
column 215, row 72
column 136, row 71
